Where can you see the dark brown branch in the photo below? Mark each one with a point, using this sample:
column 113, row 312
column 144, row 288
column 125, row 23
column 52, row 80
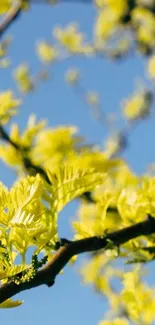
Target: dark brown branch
column 28, row 164
column 34, row 169
column 10, row 17
column 5, row 137
column 48, row 273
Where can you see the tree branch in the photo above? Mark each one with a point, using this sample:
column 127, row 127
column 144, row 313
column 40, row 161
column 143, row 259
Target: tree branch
column 28, row 164
column 48, row 273
column 16, row 10
column 9, row 18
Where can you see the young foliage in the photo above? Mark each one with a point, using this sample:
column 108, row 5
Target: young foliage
column 70, row 182
column 47, row 160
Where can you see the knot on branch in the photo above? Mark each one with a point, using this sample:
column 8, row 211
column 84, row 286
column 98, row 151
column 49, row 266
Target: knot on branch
column 50, row 283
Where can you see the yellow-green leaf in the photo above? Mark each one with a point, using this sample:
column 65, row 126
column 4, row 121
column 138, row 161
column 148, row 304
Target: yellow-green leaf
column 9, row 303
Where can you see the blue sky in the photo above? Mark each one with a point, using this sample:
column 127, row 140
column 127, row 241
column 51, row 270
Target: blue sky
column 69, row 302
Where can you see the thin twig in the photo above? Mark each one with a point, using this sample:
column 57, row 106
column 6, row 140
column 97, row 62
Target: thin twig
column 9, row 18
column 28, row 164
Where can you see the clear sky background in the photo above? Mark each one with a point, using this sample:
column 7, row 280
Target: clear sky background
column 69, row 301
